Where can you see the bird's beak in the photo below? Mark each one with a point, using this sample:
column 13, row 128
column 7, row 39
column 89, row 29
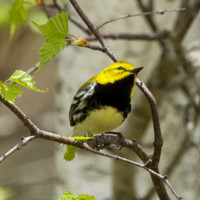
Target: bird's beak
column 136, row 70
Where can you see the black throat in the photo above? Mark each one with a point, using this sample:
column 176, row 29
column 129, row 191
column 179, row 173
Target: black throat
column 116, row 94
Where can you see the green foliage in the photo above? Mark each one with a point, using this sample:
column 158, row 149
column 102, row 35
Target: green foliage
column 82, row 138
column 11, row 92
column 85, row 197
column 54, row 31
column 70, row 152
column 5, row 193
column 17, row 14
column 24, row 79
column 4, row 7
column 69, row 196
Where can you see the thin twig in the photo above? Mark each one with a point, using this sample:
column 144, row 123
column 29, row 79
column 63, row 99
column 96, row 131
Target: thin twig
column 160, row 12
column 143, row 166
column 18, row 146
column 116, row 157
column 95, row 47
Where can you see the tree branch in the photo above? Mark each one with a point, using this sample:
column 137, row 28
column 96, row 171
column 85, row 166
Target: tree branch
column 94, row 30
column 25, row 120
column 37, row 133
column 145, row 13
column 158, row 141
column 150, row 20
column 185, row 20
column 22, row 143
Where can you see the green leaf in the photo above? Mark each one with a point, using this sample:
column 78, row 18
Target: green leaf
column 70, row 153
column 17, row 14
column 82, row 138
column 5, row 193
column 10, row 92
column 55, row 31
column 68, row 196
column 24, row 79
column 85, row 197
column 4, row 7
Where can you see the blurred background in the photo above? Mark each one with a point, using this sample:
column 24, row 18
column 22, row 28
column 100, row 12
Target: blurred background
column 171, row 71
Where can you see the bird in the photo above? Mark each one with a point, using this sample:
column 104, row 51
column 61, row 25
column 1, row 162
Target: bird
column 103, row 102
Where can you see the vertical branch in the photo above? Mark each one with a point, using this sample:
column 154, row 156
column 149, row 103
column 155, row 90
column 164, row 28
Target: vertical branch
column 158, row 141
column 150, row 20
column 186, row 19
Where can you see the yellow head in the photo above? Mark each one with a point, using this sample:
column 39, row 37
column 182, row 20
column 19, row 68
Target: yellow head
column 115, row 72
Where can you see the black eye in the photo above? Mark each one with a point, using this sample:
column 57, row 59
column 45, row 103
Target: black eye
column 120, row 68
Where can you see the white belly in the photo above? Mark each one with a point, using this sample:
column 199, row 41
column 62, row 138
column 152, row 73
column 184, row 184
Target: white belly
column 99, row 121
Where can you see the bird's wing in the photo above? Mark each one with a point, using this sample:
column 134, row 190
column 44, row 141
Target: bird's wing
column 84, row 91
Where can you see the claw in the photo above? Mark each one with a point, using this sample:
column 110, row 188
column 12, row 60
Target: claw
column 121, row 139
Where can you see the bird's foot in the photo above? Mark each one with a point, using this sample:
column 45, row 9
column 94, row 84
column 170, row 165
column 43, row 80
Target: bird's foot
column 121, row 140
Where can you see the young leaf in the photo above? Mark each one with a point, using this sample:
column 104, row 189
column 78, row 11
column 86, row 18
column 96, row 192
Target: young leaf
column 17, row 14
column 55, row 31
column 24, row 79
column 82, row 138
column 10, row 92
column 5, row 193
column 68, row 196
column 70, row 152
column 85, row 197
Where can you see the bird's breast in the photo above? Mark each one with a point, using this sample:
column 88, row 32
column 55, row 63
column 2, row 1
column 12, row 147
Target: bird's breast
column 100, row 121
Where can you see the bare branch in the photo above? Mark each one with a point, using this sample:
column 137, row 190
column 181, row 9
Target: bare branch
column 104, row 140
column 158, row 141
column 185, row 20
column 37, row 133
column 25, row 120
column 33, row 68
column 23, row 142
column 65, row 140
column 159, row 12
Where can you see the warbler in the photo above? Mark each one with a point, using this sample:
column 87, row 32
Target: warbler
column 104, row 101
